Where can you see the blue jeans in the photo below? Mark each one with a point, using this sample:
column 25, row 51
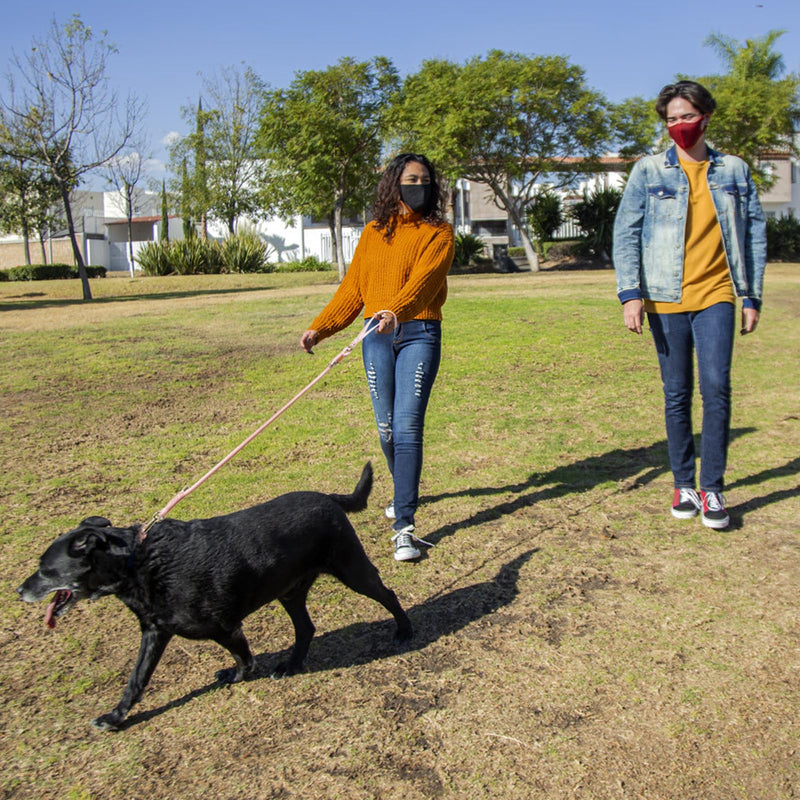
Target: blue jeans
column 401, row 368
column 710, row 333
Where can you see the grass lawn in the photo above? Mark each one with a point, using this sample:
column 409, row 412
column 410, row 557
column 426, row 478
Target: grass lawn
column 573, row 640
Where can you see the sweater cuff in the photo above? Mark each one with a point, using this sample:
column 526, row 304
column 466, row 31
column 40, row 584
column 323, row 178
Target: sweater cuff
column 751, row 302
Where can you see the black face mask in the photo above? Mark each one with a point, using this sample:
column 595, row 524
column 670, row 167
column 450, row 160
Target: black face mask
column 417, row 196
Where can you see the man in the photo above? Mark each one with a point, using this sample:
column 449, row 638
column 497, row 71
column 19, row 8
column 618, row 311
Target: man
column 690, row 237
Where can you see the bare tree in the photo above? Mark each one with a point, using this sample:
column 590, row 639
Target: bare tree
column 61, row 111
column 124, row 173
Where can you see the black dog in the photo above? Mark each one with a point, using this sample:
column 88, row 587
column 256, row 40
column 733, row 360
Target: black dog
column 200, row 579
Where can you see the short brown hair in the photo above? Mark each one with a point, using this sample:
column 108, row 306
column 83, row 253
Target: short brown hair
column 691, row 91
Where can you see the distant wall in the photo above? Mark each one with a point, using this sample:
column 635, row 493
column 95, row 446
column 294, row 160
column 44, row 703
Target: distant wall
column 12, row 254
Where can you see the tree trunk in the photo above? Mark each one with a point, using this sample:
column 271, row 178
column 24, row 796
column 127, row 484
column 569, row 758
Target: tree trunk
column 338, row 205
column 334, row 249
column 41, row 244
column 516, row 218
column 76, row 250
column 26, row 240
column 132, row 265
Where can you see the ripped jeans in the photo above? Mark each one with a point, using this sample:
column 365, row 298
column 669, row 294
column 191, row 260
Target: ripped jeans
column 401, row 368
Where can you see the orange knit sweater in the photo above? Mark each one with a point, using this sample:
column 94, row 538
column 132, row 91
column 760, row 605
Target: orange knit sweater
column 406, row 275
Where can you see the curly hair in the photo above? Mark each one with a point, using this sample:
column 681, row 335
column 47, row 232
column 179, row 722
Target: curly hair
column 691, row 91
column 387, row 197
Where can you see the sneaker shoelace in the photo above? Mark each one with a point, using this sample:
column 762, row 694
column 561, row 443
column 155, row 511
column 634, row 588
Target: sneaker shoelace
column 715, row 501
column 689, row 496
column 404, row 539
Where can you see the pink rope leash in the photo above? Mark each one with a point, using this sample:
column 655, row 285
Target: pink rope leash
column 365, row 331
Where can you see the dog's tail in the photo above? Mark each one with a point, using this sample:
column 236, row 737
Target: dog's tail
column 357, row 501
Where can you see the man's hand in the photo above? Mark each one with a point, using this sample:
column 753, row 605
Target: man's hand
column 633, row 314
column 749, row 320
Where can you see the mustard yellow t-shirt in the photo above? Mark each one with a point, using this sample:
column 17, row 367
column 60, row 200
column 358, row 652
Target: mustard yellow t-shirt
column 706, row 277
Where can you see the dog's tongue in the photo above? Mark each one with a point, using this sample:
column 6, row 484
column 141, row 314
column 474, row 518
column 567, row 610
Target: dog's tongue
column 59, row 598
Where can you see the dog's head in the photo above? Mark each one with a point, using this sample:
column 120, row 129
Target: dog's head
column 76, row 566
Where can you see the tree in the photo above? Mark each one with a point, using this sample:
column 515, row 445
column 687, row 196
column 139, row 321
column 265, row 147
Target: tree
column 321, row 140
column 163, row 234
column 234, row 174
column 758, row 106
column 27, row 196
column 638, row 130
column 505, row 120
column 545, row 214
column 60, row 112
column 124, row 173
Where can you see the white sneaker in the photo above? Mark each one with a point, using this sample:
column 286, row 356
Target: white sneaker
column 404, row 547
column 389, row 511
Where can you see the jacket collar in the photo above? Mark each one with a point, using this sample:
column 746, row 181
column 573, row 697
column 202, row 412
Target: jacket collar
column 671, row 157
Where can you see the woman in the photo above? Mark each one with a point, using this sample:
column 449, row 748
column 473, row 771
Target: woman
column 689, row 238
column 400, row 266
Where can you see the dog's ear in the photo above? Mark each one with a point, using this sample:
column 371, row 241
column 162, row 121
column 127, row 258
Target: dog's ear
column 87, row 541
column 95, row 522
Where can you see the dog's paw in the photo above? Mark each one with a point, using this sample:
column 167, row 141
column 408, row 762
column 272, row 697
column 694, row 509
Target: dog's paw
column 107, row 722
column 285, row 669
column 403, row 635
column 228, row 676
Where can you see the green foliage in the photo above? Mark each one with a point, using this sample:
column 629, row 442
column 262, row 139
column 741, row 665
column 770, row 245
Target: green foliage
column 307, row 264
column 322, row 139
column 467, row 248
column 163, row 234
column 225, row 177
column 758, row 111
column 545, row 214
column 193, row 257
column 40, row 272
column 48, row 272
column 154, row 259
column 638, row 129
column 783, row 238
column 244, row 251
column 595, row 214
column 504, row 120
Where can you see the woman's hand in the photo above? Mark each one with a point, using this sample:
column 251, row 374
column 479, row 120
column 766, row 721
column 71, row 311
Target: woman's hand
column 633, row 314
column 387, row 322
column 308, row 340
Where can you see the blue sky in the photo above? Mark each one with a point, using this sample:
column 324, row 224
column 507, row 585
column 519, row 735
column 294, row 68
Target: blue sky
column 627, row 47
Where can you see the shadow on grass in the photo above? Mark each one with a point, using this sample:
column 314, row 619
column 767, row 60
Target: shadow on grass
column 24, row 305
column 640, row 465
column 366, row 642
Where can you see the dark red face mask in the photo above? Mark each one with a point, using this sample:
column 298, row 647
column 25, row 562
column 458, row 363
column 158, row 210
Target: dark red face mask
column 686, row 134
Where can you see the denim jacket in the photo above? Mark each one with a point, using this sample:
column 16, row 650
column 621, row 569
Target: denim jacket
column 649, row 229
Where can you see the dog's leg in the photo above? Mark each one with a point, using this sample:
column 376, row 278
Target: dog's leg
column 295, row 605
column 361, row 575
column 150, row 651
column 237, row 645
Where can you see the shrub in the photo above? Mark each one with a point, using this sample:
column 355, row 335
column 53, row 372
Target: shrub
column 188, row 256
column 308, row 264
column 91, row 272
column 4, row 275
column 244, row 251
column 154, row 258
column 595, row 214
column 40, row 272
column 545, row 216
column 783, row 238
column 467, row 248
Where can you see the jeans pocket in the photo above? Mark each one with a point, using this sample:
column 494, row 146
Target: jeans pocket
column 432, row 329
